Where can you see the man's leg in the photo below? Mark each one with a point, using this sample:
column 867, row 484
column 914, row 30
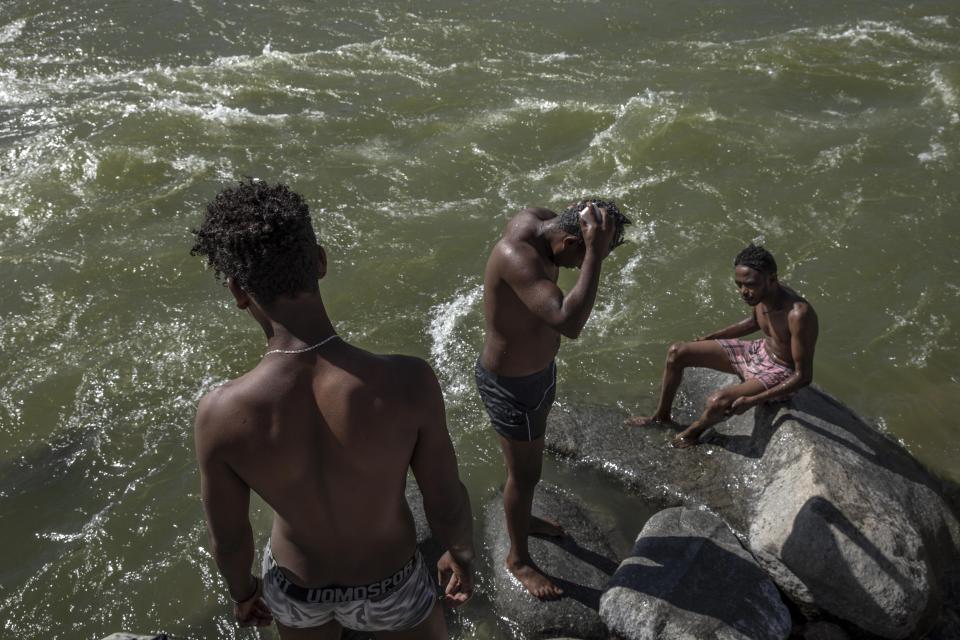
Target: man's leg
column 329, row 631
column 524, row 463
column 433, row 628
column 680, row 355
column 716, row 411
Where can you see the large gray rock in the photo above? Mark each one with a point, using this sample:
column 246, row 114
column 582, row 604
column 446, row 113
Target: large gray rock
column 820, row 631
column 841, row 516
column 689, row 577
column 580, row 564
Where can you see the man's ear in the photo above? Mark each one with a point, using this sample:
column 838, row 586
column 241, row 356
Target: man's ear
column 321, row 262
column 241, row 296
column 569, row 241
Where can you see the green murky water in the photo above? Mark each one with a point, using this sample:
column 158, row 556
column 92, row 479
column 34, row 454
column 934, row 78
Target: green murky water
column 830, row 130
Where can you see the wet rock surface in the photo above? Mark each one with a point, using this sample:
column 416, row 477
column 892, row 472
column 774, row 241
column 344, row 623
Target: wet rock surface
column 689, row 577
column 820, row 631
column 580, row 563
column 840, row 516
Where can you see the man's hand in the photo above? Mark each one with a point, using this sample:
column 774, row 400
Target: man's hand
column 253, row 612
column 456, row 579
column 597, row 236
column 742, row 404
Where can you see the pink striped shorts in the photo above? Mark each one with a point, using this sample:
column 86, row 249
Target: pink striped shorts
column 752, row 361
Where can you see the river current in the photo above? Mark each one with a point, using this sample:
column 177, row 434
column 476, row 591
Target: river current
column 827, row 130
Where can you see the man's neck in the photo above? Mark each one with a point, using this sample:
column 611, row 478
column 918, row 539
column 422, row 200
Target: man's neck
column 292, row 323
column 549, row 237
column 774, row 300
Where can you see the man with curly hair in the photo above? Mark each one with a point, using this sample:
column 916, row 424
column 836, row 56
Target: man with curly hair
column 525, row 314
column 771, row 368
column 324, row 432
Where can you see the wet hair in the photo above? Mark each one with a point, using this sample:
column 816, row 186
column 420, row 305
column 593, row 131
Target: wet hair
column 757, row 258
column 261, row 236
column 569, row 220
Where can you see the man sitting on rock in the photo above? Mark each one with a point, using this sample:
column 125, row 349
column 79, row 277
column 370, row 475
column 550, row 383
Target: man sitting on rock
column 325, row 433
column 770, row 368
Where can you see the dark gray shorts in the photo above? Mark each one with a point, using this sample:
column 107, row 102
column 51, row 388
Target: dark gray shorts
column 518, row 406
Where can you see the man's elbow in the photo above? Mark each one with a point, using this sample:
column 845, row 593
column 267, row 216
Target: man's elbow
column 571, row 332
column 447, row 509
column 225, row 547
column 569, row 329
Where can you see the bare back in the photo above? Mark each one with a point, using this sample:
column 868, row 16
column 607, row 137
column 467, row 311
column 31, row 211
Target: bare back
column 517, row 342
column 327, row 441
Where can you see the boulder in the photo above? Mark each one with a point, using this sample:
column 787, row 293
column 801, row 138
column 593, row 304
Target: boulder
column 689, row 577
column 844, row 520
column 820, row 630
column 580, row 563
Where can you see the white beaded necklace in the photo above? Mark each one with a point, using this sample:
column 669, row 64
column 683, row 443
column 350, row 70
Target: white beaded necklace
column 305, row 349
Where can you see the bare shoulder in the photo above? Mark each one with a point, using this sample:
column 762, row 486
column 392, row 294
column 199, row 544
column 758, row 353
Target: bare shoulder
column 801, row 313
column 412, row 375
column 514, row 253
column 225, row 411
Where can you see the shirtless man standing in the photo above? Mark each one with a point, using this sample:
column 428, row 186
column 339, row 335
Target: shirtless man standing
column 324, row 432
column 771, row 368
column 525, row 314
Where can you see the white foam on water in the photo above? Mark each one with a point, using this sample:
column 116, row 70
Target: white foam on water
column 660, row 102
column 191, row 164
column 215, row 112
column 940, row 21
column 835, row 156
column 549, row 58
column 870, row 32
column 941, row 90
column 448, row 350
column 536, row 104
column 936, row 153
column 639, row 235
column 10, row 32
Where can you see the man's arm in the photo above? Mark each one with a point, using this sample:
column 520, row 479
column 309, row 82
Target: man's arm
column 226, row 501
column 804, row 329
column 745, row 327
column 445, row 499
column 566, row 314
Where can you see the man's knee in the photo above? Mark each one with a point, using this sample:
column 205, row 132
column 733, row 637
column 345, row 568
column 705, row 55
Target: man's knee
column 525, row 476
column 676, row 354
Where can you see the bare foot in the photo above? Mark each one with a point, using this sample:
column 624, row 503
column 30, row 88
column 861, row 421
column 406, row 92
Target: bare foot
column 646, row 421
column 546, row 527
column 685, row 442
column 539, row 585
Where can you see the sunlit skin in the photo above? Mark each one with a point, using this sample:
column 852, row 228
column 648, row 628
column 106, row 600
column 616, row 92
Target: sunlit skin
column 326, row 437
column 525, row 314
column 790, row 328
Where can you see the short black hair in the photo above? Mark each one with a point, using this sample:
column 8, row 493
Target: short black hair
column 569, row 220
column 757, row 258
column 261, row 236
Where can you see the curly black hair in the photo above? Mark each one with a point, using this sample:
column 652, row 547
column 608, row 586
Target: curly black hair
column 261, row 236
column 757, row 258
column 569, row 220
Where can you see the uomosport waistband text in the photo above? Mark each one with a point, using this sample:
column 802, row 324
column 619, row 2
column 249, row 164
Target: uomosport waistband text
column 333, row 594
